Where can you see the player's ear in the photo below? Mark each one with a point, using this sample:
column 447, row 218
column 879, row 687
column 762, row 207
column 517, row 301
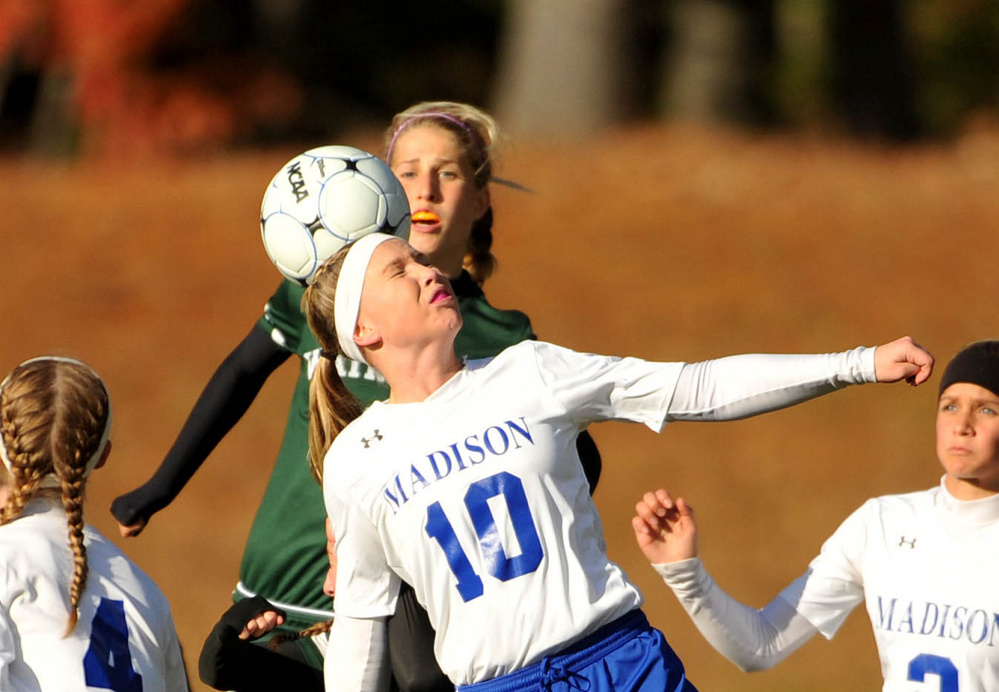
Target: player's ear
column 484, row 202
column 365, row 333
column 104, row 455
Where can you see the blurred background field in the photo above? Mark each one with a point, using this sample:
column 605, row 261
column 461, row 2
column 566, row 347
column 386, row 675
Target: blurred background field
column 129, row 238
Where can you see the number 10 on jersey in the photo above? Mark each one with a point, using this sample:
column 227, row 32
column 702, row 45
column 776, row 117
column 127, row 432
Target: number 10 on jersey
column 497, row 562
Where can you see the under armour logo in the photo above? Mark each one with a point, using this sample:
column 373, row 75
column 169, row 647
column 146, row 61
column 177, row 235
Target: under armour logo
column 374, row 438
column 911, row 542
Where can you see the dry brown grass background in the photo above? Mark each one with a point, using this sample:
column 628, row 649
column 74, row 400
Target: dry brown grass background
column 664, row 243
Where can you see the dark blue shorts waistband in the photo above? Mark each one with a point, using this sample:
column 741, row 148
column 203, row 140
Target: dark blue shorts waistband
column 580, row 654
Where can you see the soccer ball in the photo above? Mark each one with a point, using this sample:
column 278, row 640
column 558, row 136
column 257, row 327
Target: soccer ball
column 324, row 199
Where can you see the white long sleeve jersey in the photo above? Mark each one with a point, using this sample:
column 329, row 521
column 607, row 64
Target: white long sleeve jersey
column 124, row 638
column 477, row 498
column 925, row 564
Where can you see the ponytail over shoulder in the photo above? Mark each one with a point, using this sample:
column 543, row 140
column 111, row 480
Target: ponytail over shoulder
column 331, row 405
column 331, row 408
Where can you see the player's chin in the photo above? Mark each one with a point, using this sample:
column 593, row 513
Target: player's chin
column 425, row 239
column 418, row 230
column 450, row 322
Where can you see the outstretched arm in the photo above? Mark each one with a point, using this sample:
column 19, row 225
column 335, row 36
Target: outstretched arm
column 752, row 639
column 223, row 402
column 747, row 385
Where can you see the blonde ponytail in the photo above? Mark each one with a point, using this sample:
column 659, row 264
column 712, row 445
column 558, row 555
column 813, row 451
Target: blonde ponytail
column 331, row 405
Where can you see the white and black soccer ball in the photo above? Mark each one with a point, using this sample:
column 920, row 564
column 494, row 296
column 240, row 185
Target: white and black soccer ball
column 324, row 199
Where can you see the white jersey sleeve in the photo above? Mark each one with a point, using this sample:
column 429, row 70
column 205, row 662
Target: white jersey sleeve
column 594, row 388
column 604, row 387
column 833, row 584
column 362, row 568
column 818, row 601
column 357, row 655
column 752, row 639
column 747, row 385
column 175, row 670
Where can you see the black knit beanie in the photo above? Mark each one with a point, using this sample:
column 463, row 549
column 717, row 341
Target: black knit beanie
column 975, row 364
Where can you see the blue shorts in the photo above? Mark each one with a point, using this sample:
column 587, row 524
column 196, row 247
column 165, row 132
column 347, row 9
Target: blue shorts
column 627, row 654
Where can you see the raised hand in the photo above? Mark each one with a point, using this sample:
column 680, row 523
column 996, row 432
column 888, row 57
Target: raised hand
column 665, row 530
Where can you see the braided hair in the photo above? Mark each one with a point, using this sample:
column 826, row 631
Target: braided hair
column 55, row 417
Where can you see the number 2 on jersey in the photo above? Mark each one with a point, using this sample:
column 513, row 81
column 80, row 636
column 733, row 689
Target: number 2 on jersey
column 497, row 563
column 108, row 662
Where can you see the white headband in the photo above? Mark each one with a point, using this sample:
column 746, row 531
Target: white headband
column 349, row 284
column 51, row 480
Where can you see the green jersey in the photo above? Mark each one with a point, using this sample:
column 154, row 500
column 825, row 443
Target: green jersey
column 285, row 555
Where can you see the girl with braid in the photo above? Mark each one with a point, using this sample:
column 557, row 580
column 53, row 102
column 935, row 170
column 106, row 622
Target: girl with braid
column 75, row 612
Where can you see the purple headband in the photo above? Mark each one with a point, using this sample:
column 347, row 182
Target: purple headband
column 436, row 114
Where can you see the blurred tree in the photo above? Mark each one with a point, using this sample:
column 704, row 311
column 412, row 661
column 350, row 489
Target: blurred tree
column 26, row 48
column 723, row 61
column 720, row 65
column 957, row 49
column 135, row 76
column 873, row 79
column 428, row 50
column 131, row 77
column 319, row 67
column 571, row 67
column 561, row 66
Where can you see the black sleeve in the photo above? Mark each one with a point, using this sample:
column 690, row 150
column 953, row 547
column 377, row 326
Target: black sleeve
column 230, row 663
column 223, row 402
column 589, row 455
column 411, row 647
